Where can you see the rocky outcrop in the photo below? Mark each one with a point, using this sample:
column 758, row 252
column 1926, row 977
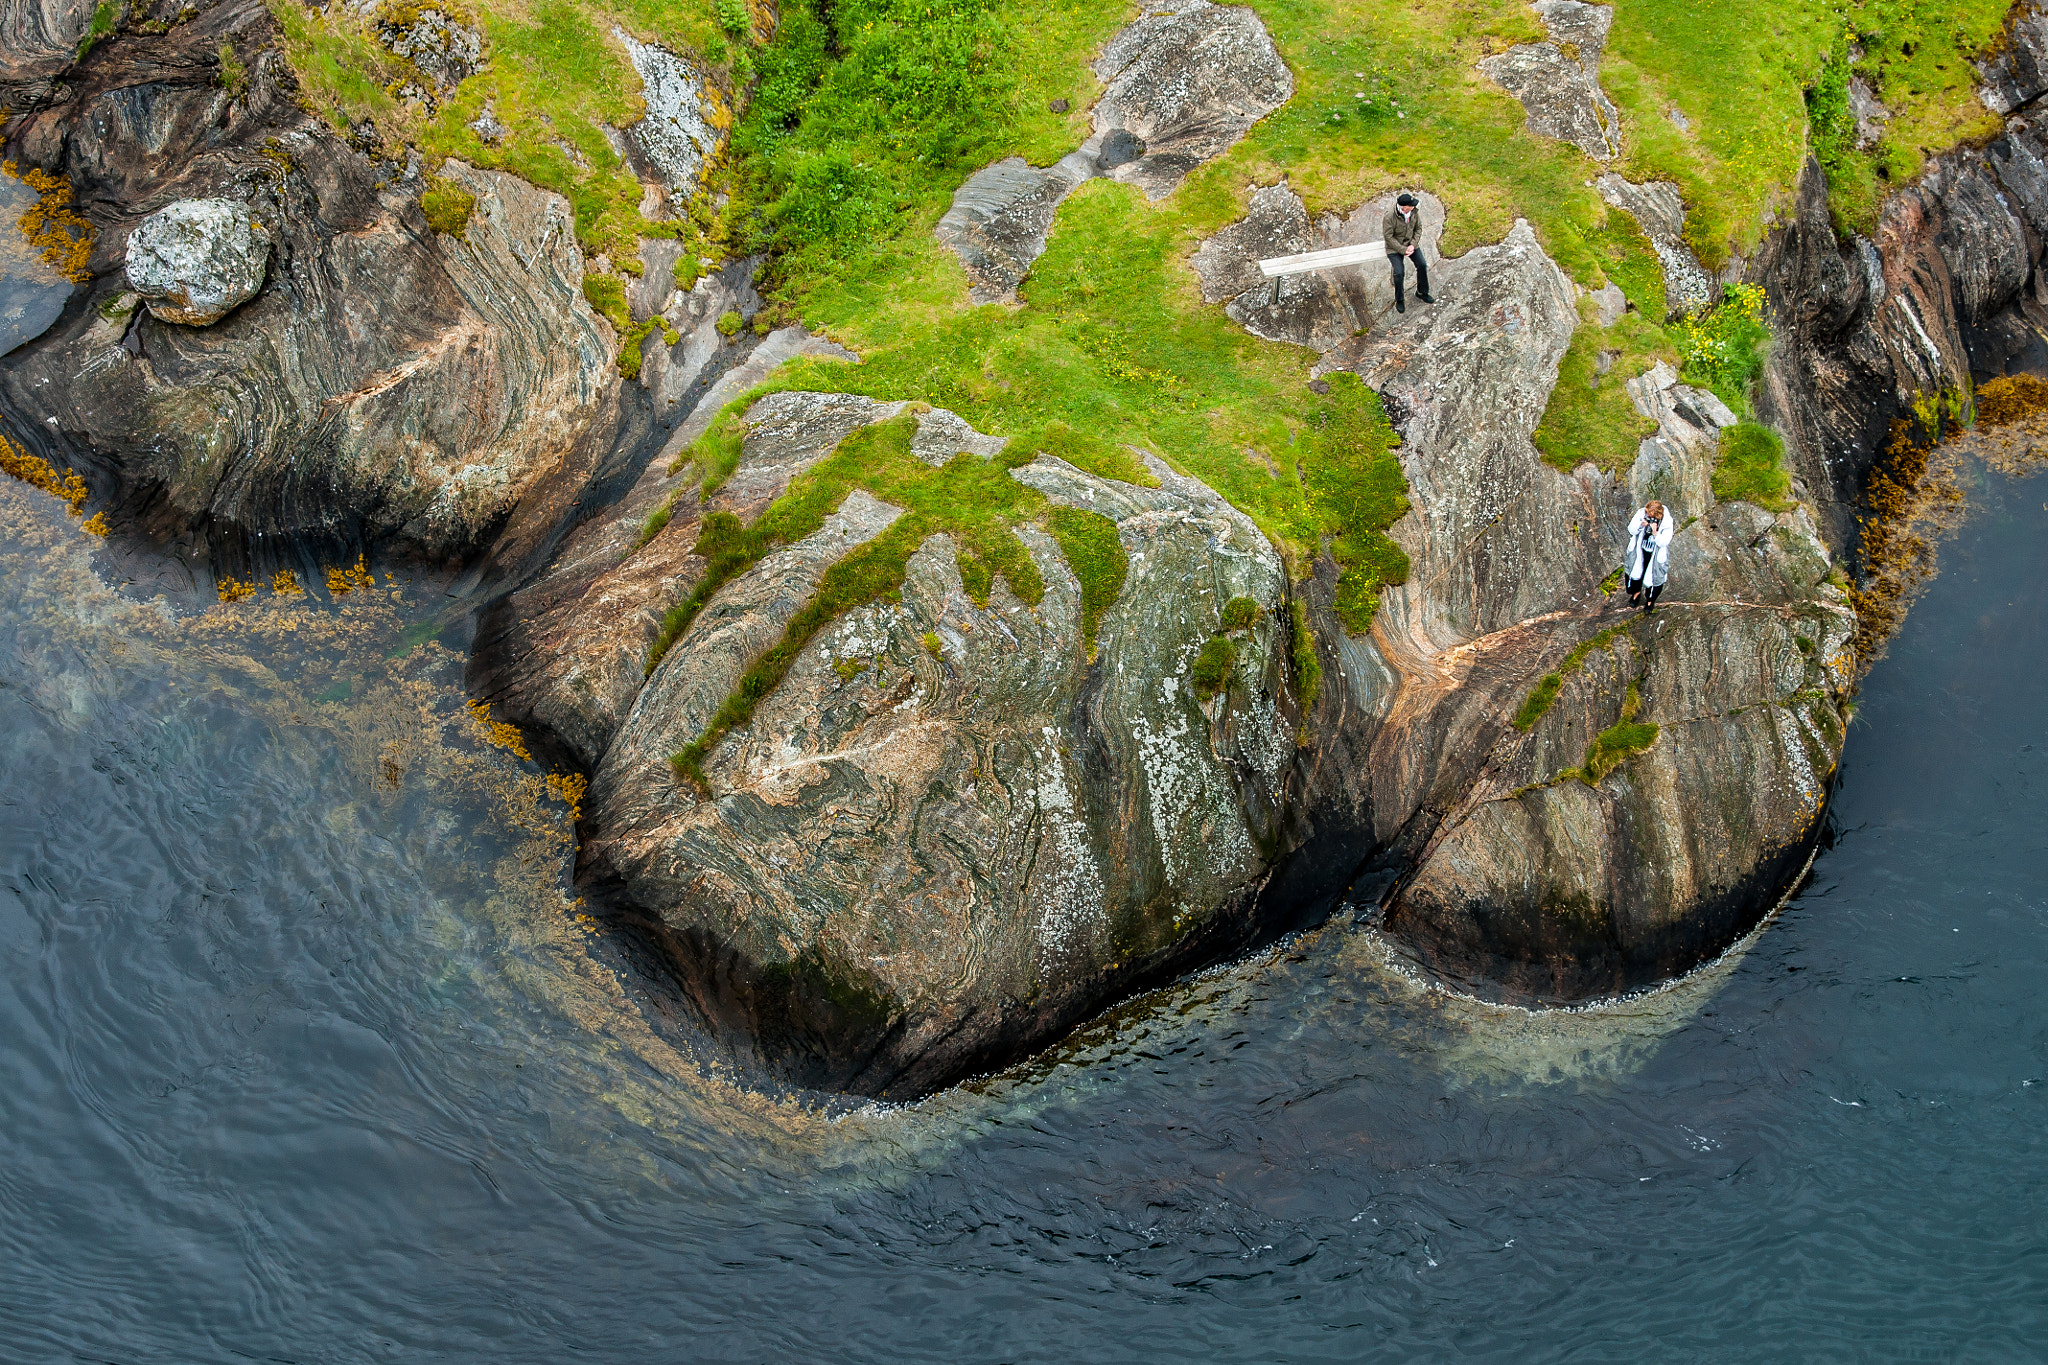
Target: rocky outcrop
column 197, row 260
column 387, row 385
column 1322, row 309
column 1660, row 213
column 684, row 126
column 1558, row 81
column 1182, row 86
column 1528, row 862
column 948, row 835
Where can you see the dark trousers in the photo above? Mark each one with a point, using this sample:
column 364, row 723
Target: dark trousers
column 1400, row 264
column 1637, row 590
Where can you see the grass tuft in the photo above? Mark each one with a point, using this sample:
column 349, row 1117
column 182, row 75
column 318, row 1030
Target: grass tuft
column 448, row 207
column 1750, row 467
column 1212, row 667
column 1590, row 417
column 1089, row 543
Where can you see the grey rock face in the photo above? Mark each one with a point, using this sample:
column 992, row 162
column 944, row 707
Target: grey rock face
column 1000, row 218
column 446, row 50
column 676, row 134
column 1660, row 213
column 1183, row 86
column 2017, row 74
column 1187, row 83
column 196, row 260
column 386, row 385
column 567, row 652
column 916, row 863
column 1322, row 309
column 1558, row 81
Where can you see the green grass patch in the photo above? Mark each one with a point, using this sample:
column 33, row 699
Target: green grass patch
column 1089, row 543
column 233, row 77
column 448, row 207
column 1547, row 687
column 1623, row 739
column 104, row 17
column 1240, row 613
column 1308, row 666
column 1212, row 668
column 1724, row 349
column 607, row 294
column 933, row 645
column 1750, row 467
column 1590, row 417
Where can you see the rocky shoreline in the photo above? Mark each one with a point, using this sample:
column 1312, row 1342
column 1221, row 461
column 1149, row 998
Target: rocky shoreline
column 979, row 807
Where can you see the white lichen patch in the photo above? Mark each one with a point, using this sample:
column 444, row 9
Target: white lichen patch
column 1066, row 882
column 678, row 133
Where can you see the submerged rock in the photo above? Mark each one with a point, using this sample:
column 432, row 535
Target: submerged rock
column 197, row 260
column 1183, row 85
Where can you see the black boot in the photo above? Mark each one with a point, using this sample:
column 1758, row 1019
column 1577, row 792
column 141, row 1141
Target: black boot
column 1400, row 298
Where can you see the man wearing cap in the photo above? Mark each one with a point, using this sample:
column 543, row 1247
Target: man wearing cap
column 1403, row 233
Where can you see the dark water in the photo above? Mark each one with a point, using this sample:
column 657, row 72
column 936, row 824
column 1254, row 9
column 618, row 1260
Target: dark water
column 307, row 1059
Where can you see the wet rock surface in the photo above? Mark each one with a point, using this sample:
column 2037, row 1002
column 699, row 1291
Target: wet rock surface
column 196, row 260
column 1183, row 85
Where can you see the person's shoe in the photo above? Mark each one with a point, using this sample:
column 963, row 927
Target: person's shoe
column 1425, row 298
column 1649, row 607
column 1400, row 307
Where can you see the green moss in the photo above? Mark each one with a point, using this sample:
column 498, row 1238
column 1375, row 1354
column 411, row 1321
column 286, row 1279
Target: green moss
column 448, row 207
column 933, row 645
column 1081, row 450
column 1618, row 741
column 1750, row 467
column 104, row 17
column 1590, row 417
column 607, row 294
column 729, row 323
column 656, row 522
column 1308, row 667
column 1089, row 543
column 1212, row 667
column 688, row 270
column 1240, row 613
column 1547, row 687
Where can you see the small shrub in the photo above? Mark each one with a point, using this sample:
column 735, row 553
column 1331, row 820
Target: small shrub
column 933, row 645
column 1751, row 468
column 234, row 77
column 1723, row 349
column 1240, row 613
column 449, row 207
column 1213, row 666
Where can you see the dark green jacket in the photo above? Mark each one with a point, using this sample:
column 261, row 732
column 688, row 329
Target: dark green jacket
column 1402, row 232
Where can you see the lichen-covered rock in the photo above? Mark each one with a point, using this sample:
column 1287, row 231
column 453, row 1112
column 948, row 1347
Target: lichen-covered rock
column 683, row 127
column 1558, row 82
column 197, row 260
column 948, row 835
column 1660, row 213
column 1320, row 308
column 446, row 50
column 999, row 219
column 1183, row 85
column 567, row 652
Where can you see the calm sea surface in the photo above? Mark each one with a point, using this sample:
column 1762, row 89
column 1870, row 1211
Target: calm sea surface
column 305, row 1056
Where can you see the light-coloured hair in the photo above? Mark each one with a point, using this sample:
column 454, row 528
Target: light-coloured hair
column 1656, row 510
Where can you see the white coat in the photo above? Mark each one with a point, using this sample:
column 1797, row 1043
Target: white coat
column 1660, row 550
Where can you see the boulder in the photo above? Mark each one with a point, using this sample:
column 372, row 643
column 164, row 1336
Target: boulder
column 197, row 260
column 683, row 127
column 949, row 835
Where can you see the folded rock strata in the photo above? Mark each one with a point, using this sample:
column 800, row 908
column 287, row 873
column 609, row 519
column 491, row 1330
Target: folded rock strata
column 948, row 835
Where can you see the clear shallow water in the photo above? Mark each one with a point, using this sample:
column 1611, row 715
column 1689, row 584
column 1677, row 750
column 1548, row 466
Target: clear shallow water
column 307, row 1058
column 32, row 293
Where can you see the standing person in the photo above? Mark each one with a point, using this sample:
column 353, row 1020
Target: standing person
column 1402, row 231
column 1649, row 554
